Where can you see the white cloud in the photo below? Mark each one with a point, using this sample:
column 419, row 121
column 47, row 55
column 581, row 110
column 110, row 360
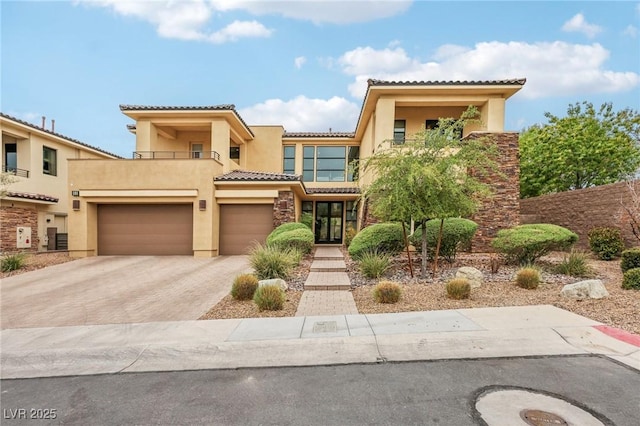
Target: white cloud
column 299, row 61
column 29, row 116
column 551, row 68
column 631, row 31
column 303, row 114
column 240, row 29
column 579, row 24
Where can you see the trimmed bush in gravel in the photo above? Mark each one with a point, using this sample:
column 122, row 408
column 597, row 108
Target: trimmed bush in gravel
column 457, row 234
column 387, row 292
column 606, row 243
column 383, row 237
column 574, row 264
column 285, row 227
column 244, row 286
column 630, row 259
column 374, row 264
column 528, row 278
column 273, row 262
column 269, row 298
column 300, row 239
column 459, row 288
column 525, row 244
column 631, row 279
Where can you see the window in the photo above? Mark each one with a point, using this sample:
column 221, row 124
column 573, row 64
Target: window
column 330, row 164
column 431, row 124
column 196, row 150
column 11, row 157
column 351, row 219
column 289, row 162
column 234, row 152
column 49, row 161
column 308, row 160
column 352, row 158
column 399, row 131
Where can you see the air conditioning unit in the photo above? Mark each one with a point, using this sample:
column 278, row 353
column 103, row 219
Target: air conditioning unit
column 23, row 237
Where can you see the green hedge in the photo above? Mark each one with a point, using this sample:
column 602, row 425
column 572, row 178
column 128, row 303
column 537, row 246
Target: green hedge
column 301, row 239
column 525, row 244
column 457, row 234
column 630, row 259
column 380, row 237
column 285, row 227
column 606, row 243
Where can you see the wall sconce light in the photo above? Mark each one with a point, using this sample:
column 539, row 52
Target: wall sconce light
column 202, row 204
column 75, row 193
column 284, row 205
column 76, row 204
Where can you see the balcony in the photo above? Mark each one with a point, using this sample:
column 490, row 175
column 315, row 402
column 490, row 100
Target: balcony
column 173, row 155
column 15, row 171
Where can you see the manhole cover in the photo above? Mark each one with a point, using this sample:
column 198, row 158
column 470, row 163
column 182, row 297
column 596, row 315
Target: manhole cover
column 325, row 327
column 541, row 418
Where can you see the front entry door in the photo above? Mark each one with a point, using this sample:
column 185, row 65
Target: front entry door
column 329, row 222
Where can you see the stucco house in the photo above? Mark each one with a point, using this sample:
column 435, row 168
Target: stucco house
column 203, row 182
column 34, row 212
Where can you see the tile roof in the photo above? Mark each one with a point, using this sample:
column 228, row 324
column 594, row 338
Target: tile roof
column 248, row 175
column 348, row 190
column 513, row 81
column 29, row 196
column 230, row 107
column 33, row 126
column 318, row 135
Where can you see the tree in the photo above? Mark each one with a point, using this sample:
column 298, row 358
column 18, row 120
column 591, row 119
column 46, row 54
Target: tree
column 428, row 176
column 6, row 179
column 583, row 149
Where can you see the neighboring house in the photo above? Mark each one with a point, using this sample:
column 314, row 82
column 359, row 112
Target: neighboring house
column 203, row 182
column 34, row 211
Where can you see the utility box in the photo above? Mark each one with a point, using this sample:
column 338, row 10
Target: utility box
column 23, row 237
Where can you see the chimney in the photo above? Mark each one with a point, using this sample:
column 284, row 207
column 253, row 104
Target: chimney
column 44, row 119
column 53, row 125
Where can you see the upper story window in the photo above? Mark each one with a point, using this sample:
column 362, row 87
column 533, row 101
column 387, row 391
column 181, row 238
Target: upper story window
column 49, row 161
column 330, row 163
column 353, row 155
column 308, row 162
column 431, row 124
column 196, row 150
column 234, row 152
column 399, row 131
column 289, row 160
column 10, row 157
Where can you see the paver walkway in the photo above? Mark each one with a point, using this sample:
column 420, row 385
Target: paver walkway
column 327, row 286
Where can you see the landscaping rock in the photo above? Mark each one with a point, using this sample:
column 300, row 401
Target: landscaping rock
column 589, row 289
column 474, row 275
column 276, row 281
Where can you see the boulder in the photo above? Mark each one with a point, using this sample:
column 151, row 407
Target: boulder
column 474, row 276
column 276, row 281
column 589, row 289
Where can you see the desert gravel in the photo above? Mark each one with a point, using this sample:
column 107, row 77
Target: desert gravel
column 35, row 261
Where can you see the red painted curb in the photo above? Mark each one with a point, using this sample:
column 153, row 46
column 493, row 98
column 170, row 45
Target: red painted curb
column 625, row 336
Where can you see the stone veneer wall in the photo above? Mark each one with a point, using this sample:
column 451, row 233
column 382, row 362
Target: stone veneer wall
column 10, row 219
column 283, row 208
column 582, row 209
column 502, row 209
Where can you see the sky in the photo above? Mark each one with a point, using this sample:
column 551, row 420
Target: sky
column 303, row 64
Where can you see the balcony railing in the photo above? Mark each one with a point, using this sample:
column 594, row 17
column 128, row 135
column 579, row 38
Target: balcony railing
column 156, row 155
column 15, row 171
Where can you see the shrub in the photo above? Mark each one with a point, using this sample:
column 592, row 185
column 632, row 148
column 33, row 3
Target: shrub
column 606, row 243
column 528, row 278
column 574, row 264
column 457, row 234
column 12, row 262
column 244, row 286
column 285, row 227
column 307, row 220
column 459, row 288
column 273, row 262
column 348, row 235
column 373, row 264
column 525, row 244
column 630, row 259
column 387, row 292
column 269, row 298
column 384, row 237
column 631, row 279
column 300, row 239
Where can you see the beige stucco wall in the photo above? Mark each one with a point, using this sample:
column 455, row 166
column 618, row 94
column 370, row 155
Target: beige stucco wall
column 264, row 152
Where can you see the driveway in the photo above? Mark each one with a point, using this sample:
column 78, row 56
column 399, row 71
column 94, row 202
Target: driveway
column 117, row 289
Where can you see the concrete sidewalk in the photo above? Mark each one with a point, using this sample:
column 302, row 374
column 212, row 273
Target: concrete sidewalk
column 299, row 341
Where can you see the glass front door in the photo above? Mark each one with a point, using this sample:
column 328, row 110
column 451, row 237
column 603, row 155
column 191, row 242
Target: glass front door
column 329, row 222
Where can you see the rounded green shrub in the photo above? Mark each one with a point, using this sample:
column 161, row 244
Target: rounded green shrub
column 525, row 244
column 269, row 298
column 307, row 220
column 631, row 279
column 373, row 264
column 383, row 237
column 300, row 239
column 273, row 262
column 459, row 288
column 457, row 234
column 630, row 259
column 606, row 243
column 528, row 278
column 285, row 227
column 387, row 292
column 244, row 286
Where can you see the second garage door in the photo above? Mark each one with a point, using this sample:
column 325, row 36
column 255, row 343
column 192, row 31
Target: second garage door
column 145, row 229
column 241, row 225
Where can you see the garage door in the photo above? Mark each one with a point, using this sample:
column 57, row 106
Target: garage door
column 243, row 224
column 145, row 229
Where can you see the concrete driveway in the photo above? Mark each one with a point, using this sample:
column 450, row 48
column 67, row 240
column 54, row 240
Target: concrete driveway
column 117, row 289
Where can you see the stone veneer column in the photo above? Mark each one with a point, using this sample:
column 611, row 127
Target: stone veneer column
column 10, row 219
column 502, row 209
column 284, row 208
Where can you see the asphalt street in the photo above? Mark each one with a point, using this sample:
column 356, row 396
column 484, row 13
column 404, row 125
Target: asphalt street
column 441, row 392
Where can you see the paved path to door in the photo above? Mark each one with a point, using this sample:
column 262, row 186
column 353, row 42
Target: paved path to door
column 117, row 289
